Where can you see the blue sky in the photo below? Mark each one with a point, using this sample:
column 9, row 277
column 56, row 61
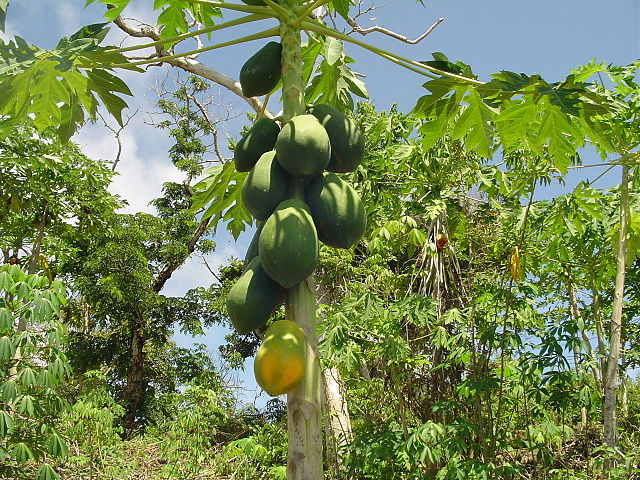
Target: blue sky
column 548, row 37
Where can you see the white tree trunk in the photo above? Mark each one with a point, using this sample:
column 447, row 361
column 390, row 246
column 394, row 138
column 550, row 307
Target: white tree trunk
column 611, row 379
column 338, row 422
column 304, row 419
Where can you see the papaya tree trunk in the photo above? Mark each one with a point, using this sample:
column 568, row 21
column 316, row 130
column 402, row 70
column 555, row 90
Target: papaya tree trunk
column 611, row 379
column 597, row 318
column 304, row 425
column 32, row 268
column 338, row 422
column 135, row 375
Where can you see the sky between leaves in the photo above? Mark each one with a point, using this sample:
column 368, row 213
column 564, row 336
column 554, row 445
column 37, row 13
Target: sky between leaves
column 548, row 37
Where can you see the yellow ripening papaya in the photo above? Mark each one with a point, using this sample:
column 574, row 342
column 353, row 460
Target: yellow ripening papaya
column 280, row 361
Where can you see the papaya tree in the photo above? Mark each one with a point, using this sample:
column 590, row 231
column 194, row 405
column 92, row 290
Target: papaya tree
column 537, row 126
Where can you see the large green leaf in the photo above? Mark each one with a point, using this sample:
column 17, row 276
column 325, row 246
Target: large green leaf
column 7, row 348
column 558, row 131
column 22, row 452
column 342, row 7
column 173, row 19
column 476, row 125
column 442, row 112
column 219, row 193
column 49, row 84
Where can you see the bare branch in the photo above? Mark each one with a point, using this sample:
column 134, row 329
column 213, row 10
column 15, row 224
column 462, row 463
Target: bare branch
column 206, row 264
column 143, row 31
column 365, row 31
column 197, row 68
column 167, row 271
column 116, row 134
column 212, row 127
column 191, row 65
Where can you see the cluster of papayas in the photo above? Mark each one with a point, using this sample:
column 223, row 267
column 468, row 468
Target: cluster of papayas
column 289, row 229
column 311, row 148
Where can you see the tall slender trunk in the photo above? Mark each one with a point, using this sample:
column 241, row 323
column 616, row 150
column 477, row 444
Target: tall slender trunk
column 576, row 316
column 37, row 242
column 624, row 392
column 134, row 388
column 611, row 379
column 33, row 266
column 304, row 421
column 337, row 419
column 597, row 318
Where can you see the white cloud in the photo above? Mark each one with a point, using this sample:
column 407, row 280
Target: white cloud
column 143, row 165
column 68, row 16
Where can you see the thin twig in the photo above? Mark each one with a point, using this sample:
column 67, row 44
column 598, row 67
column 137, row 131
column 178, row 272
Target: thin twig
column 116, row 134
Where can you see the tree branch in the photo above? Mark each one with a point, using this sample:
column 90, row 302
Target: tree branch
column 189, row 64
column 364, row 31
column 167, row 271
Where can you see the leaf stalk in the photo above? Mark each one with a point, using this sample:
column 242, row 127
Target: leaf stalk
column 323, row 30
column 177, row 38
column 256, row 36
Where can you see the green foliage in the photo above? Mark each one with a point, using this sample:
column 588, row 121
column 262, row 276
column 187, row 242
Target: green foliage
column 332, row 81
column 32, row 365
column 48, row 186
column 57, row 87
column 515, row 111
column 192, row 430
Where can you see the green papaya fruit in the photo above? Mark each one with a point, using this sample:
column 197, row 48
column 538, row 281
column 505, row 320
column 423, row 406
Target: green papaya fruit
column 288, row 245
column 337, row 211
column 252, row 250
column 252, row 299
column 303, row 147
column 347, row 141
column 261, row 73
column 260, row 139
column 257, row 3
column 265, row 187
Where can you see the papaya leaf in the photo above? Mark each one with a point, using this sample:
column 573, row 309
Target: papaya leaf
column 441, row 62
column 475, row 125
column 173, row 19
column 439, row 89
column 22, row 453
column 219, row 192
column 560, row 134
column 310, row 52
column 95, row 30
column 104, row 80
column 584, row 72
column 515, row 125
column 564, row 95
column 442, row 112
column 114, row 7
column 3, row 13
column 48, row 84
column 342, row 7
